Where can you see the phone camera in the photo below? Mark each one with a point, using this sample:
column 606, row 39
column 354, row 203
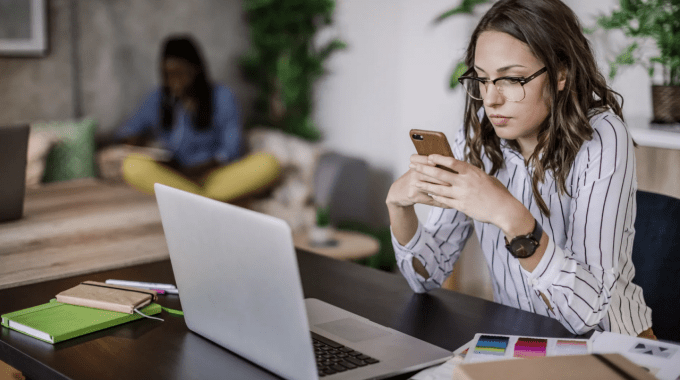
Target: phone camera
column 417, row 136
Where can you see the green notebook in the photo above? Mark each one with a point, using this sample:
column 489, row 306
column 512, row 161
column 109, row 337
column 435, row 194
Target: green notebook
column 56, row 321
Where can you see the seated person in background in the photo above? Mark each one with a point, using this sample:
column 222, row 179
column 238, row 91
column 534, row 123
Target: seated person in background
column 197, row 122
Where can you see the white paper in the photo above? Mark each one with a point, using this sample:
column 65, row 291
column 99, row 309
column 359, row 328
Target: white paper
column 660, row 358
column 443, row 371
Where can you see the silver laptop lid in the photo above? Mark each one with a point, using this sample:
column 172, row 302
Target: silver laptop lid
column 239, row 288
column 13, row 149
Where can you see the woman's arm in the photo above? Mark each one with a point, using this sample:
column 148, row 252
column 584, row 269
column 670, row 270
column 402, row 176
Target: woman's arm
column 146, row 116
column 425, row 253
column 580, row 279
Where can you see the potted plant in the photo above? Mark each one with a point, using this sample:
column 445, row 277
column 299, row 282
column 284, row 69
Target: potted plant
column 283, row 62
column 466, row 7
column 322, row 233
column 658, row 20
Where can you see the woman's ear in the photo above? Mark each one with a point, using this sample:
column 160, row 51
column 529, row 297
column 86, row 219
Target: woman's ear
column 561, row 79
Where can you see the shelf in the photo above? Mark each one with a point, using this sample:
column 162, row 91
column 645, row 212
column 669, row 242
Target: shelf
column 645, row 135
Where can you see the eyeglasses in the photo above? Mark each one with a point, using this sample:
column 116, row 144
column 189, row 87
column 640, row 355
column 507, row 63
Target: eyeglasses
column 511, row 88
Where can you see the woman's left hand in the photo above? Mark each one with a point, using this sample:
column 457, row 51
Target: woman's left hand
column 471, row 191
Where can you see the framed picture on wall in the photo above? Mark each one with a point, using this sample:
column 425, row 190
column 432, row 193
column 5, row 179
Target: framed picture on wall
column 23, row 28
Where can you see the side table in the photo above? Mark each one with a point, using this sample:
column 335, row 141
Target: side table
column 349, row 245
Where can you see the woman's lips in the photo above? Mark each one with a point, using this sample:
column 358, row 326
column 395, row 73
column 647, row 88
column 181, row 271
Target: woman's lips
column 499, row 120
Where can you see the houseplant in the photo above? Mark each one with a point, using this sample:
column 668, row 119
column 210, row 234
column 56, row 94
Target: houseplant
column 284, row 62
column 657, row 20
column 466, row 7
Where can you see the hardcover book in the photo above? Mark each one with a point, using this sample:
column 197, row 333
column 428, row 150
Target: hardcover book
column 55, row 321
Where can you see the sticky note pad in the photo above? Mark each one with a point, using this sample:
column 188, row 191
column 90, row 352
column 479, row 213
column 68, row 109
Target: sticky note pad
column 491, row 345
column 571, row 347
column 530, row 347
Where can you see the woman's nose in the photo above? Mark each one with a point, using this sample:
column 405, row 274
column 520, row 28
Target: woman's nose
column 493, row 97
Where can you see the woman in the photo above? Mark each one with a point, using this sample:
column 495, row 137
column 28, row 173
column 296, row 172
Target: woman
column 545, row 172
column 197, row 122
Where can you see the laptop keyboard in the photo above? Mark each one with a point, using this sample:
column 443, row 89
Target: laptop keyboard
column 332, row 357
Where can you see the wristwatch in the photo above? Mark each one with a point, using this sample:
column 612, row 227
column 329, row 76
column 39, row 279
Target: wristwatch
column 524, row 246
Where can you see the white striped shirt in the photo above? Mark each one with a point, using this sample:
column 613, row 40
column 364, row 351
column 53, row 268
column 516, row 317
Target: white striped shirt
column 586, row 271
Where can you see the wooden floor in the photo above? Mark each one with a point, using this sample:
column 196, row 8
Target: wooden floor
column 79, row 227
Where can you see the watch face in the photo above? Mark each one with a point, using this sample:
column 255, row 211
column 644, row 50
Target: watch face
column 523, row 247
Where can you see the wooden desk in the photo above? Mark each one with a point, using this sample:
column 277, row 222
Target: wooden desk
column 149, row 349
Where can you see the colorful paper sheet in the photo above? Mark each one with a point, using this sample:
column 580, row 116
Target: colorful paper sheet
column 530, row 347
column 491, row 345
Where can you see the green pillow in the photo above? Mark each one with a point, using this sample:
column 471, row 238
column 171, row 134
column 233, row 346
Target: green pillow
column 74, row 155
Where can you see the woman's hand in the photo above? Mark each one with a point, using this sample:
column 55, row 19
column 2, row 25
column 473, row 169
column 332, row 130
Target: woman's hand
column 404, row 193
column 470, row 190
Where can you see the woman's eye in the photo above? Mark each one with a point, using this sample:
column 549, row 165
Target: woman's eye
column 513, row 80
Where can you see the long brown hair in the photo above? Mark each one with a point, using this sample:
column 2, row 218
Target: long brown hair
column 201, row 90
column 554, row 35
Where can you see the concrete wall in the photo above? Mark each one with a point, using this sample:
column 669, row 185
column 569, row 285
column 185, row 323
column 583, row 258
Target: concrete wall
column 117, row 53
column 40, row 88
column 121, row 42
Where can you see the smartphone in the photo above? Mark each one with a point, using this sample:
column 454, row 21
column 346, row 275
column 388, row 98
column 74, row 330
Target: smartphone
column 431, row 142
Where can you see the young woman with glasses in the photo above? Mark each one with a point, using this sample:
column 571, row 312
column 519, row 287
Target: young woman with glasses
column 544, row 172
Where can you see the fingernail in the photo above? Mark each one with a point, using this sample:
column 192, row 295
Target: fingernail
column 419, row 185
column 412, row 166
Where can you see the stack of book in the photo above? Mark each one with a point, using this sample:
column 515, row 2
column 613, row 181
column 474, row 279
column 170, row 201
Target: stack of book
column 88, row 307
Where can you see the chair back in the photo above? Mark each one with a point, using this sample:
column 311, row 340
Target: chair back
column 656, row 256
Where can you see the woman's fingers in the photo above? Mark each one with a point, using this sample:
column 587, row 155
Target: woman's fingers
column 441, row 190
column 440, row 176
column 419, row 176
column 449, row 162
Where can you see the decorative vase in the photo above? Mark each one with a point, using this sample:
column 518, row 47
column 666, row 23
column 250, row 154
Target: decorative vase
column 666, row 104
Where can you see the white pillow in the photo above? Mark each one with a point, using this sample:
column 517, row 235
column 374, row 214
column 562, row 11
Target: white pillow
column 40, row 142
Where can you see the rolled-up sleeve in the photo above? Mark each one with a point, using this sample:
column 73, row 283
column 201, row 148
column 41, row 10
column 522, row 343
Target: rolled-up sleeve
column 437, row 244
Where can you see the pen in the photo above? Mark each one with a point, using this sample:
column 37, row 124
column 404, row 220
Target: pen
column 144, row 285
column 168, row 291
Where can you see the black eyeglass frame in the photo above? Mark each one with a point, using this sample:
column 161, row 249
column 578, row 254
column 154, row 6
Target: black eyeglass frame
column 522, row 81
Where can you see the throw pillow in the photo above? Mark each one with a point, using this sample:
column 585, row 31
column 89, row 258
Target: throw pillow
column 73, row 156
column 40, row 143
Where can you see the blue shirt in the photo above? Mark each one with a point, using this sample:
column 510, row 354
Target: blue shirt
column 190, row 147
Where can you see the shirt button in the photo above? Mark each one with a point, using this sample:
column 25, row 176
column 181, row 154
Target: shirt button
column 534, row 282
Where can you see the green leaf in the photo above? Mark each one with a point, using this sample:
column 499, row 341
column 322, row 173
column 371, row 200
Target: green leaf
column 460, row 69
column 332, row 46
column 465, row 7
column 625, row 58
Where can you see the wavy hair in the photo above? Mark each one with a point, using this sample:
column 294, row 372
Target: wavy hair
column 554, row 35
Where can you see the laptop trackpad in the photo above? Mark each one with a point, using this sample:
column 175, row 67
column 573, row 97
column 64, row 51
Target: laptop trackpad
column 353, row 329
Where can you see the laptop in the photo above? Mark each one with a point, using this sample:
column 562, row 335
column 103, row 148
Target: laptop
column 237, row 275
column 13, row 150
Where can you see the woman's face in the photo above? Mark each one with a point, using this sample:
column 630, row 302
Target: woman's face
column 178, row 75
column 498, row 54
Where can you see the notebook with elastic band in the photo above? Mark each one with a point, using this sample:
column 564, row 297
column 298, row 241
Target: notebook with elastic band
column 99, row 295
column 55, row 321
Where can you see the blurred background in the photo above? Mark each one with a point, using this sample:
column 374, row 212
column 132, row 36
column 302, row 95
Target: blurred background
column 102, row 58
